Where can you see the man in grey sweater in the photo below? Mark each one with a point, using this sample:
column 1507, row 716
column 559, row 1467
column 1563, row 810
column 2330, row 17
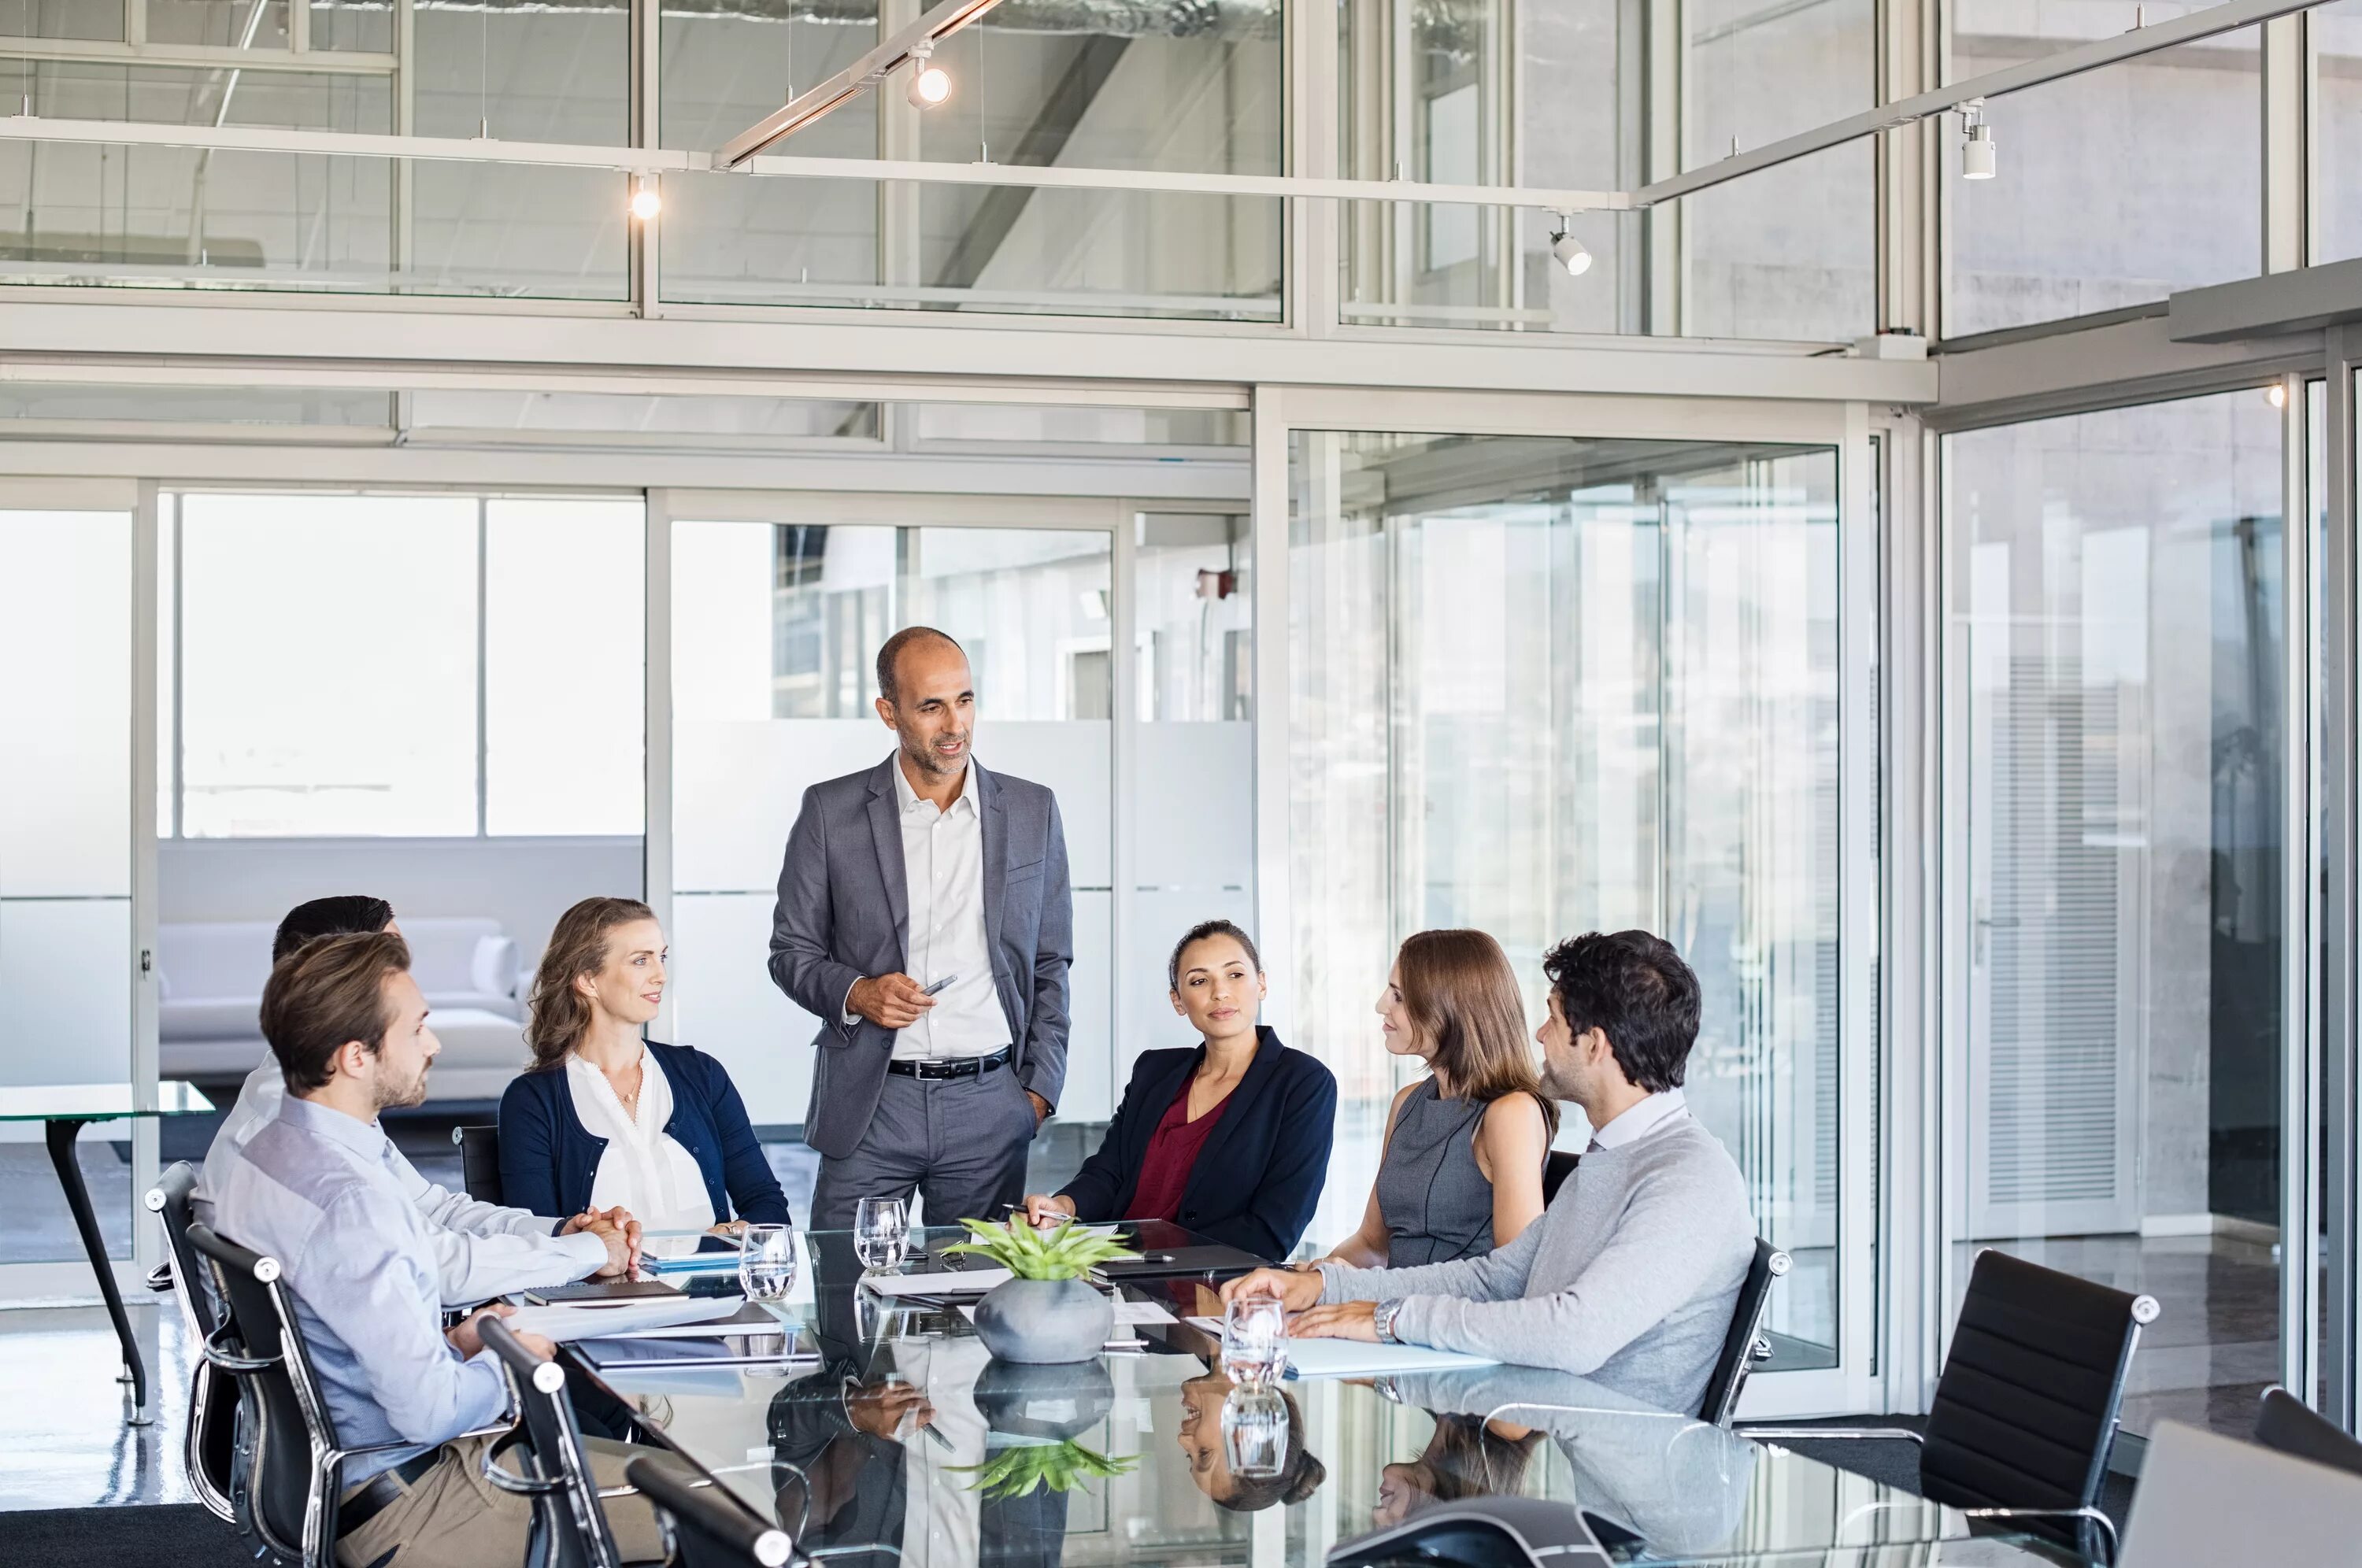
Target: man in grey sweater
column 1631, row 1274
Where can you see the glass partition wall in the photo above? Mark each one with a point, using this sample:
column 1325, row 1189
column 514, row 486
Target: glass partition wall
column 2118, row 617
column 1545, row 685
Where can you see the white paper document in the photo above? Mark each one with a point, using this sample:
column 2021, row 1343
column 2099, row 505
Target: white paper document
column 563, row 1324
column 1352, row 1358
column 951, row 1282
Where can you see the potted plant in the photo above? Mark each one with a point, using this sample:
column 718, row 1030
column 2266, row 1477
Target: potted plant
column 1048, row 1312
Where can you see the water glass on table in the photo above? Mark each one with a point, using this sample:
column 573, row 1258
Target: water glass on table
column 1255, row 1339
column 767, row 1261
column 881, row 1234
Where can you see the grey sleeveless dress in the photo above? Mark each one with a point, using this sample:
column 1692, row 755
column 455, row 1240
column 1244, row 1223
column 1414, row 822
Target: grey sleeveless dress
column 1436, row 1203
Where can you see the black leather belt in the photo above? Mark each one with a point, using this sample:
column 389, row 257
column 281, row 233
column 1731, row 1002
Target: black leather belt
column 958, row 1067
column 383, row 1491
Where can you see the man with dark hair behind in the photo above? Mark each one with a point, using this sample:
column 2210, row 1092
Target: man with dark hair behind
column 1631, row 1274
column 316, row 1188
column 480, row 1249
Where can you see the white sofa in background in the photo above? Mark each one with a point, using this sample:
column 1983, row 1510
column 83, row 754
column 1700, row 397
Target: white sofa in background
column 209, row 985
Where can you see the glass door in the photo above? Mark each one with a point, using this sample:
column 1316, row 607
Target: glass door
column 2119, row 618
column 777, row 605
column 1540, row 684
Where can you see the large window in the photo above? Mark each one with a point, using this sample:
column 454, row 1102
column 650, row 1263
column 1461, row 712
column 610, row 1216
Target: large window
column 413, row 666
column 1549, row 686
column 2121, row 614
column 1556, row 95
column 2335, row 34
column 2085, row 215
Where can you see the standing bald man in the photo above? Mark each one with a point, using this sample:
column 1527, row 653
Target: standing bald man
column 925, row 917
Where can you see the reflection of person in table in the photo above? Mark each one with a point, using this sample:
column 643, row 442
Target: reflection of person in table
column 482, row 1250
column 883, row 1443
column 1466, row 1456
column 1200, row 1437
column 1678, row 1484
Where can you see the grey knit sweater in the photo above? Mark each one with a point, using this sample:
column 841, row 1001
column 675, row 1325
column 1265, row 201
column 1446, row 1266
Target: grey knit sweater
column 1629, row 1276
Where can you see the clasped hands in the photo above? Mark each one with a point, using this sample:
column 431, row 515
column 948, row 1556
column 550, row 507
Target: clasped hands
column 618, row 1230
column 1298, row 1293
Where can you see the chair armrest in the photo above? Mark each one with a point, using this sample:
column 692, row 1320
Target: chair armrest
column 1814, row 1434
column 508, row 1480
column 224, row 1359
column 160, row 1278
column 2093, row 1516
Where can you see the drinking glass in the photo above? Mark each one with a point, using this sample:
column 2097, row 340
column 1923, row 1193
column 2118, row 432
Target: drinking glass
column 881, row 1234
column 1255, row 1430
column 1255, row 1339
column 767, row 1261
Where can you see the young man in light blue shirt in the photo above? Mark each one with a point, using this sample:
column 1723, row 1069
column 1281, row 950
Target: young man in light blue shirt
column 316, row 1189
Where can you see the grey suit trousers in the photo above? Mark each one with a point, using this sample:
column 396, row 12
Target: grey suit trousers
column 958, row 1143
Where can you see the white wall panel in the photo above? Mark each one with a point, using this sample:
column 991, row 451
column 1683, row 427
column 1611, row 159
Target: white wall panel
column 65, row 705
column 729, row 1009
column 70, row 1023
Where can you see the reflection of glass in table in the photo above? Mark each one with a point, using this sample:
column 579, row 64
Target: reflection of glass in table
column 896, row 1433
column 67, row 1109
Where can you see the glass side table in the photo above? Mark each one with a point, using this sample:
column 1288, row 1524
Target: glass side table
column 66, row 1109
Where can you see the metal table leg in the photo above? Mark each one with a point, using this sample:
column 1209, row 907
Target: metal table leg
column 61, row 1132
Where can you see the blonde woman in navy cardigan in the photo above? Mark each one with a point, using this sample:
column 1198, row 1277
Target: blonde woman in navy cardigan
column 604, row 1118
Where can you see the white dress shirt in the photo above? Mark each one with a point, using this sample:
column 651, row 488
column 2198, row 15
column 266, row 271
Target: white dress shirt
column 943, row 870
column 482, row 1250
column 1660, row 1111
column 644, row 1168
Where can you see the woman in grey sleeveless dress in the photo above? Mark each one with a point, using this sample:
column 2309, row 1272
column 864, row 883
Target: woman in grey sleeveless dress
column 1465, row 1145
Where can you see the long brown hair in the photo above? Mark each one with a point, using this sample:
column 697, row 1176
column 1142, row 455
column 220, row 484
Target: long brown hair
column 557, row 1015
column 1458, row 988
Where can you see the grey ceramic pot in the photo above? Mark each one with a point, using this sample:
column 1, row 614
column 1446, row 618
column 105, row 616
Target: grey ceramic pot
column 1045, row 1321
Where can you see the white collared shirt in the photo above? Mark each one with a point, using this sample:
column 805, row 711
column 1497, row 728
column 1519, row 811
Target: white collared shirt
column 643, row 1167
column 1660, row 1111
column 943, row 869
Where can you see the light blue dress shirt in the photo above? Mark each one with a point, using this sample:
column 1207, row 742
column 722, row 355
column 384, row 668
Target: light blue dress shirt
column 480, row 1250
column 317, row 1190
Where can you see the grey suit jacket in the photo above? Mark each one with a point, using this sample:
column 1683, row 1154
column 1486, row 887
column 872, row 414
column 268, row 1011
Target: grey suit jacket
column 844, row 914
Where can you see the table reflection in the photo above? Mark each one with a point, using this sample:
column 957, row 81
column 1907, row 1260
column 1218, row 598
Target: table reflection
column 899, row 1439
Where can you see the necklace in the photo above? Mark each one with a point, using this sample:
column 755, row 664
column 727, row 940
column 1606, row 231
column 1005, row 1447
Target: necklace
column 631, row 1101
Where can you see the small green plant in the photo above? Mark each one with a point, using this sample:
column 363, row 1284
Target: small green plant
column 1068, row 1251
column 1061, row 1466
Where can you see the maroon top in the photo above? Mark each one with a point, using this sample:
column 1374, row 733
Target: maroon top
column 1172, row 1153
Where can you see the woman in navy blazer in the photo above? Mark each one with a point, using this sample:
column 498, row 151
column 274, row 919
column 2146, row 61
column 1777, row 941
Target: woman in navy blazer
column 1230, row 1140
column 589, row 1125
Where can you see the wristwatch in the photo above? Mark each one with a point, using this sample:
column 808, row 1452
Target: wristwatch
column 1383, row 1319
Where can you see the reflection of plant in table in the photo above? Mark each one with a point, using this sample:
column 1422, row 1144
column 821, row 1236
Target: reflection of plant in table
column 1061, row 1466
column 1068, row 1251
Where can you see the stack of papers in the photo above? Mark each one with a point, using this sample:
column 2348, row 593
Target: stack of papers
column 951, row 1282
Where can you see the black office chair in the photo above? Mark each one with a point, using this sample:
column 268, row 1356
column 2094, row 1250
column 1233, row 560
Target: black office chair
column 1559, row 1165
column 1744, row 1345
column 705, row 1526
column 2284, row 1423
column 293, row 1470
column 2026, row 1408
column 209, row 1444
column 479, row 1161
column 570, row 1527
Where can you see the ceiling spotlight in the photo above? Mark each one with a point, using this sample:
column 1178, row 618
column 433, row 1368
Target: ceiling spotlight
column 1569, row 251
column 930, row 84
column 646, row 201
column 1977, row 151
column 2277, row 395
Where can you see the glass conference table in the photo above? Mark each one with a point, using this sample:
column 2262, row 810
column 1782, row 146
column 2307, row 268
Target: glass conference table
column 67, row 1109
column 891, row 1436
